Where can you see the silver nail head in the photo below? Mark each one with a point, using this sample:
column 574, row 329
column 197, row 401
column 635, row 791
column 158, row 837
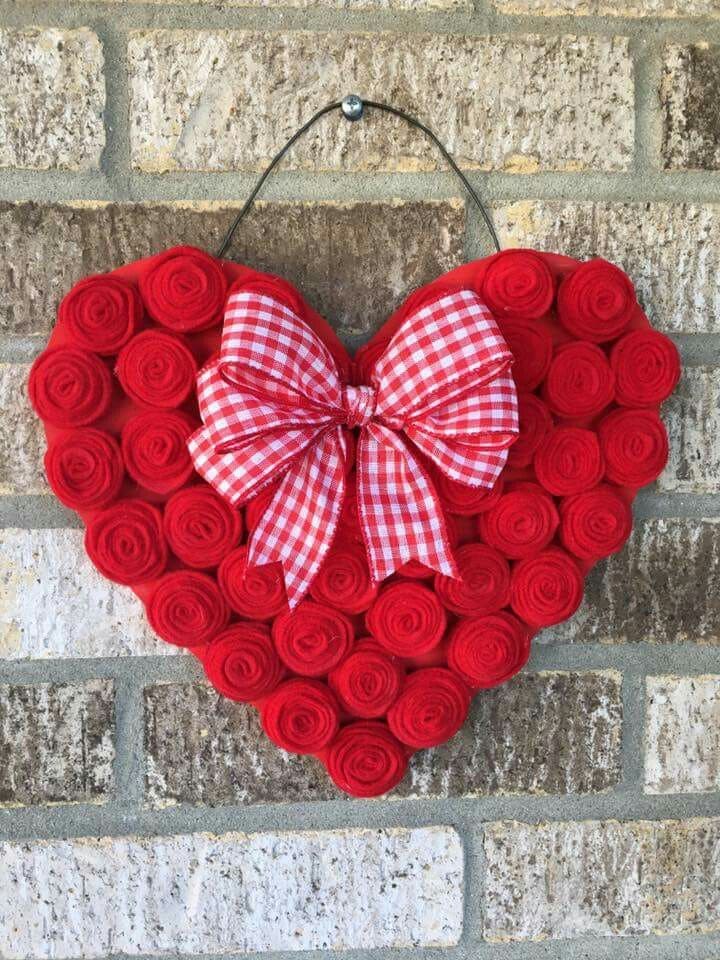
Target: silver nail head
column 352, row 107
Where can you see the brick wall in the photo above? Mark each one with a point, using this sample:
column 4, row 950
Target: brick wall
column 578, row 814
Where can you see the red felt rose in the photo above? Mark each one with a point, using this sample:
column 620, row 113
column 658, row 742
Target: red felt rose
column 569, row 461
column 535, row 422
column 487, row 651
column 312, row 639
column 201, row 527
column 301, row 716
column 546, row 588
column 596, row 301
column 126, row 542
column 580, row 382
column 349, row 521
column 368, row 681
column 522, row 523
column 518, row 283
column 69, row 387
column 156, row 369
column 344, row 581
column 101, row 313
column 595, row 523
column 531, row 346
column 85, row 468
column 647, row 368
column 431, row 708
column 187, row 609
column 154, row 446
column 257, row 593
column 365, row 759
column 367, row 356
column 184, row 289
column 241, row 662
column 414, row 570
column 407, row 619
column 484, row 583
column 463, row 500
column 635, row 446
column 256, row 507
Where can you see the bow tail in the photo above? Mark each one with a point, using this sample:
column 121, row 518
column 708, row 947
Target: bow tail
column 298, row 527
column 400, row 513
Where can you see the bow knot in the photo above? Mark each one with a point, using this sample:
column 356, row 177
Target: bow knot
column 359, row 405
column 274, row 407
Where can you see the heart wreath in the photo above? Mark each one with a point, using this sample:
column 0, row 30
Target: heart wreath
column 354, row 546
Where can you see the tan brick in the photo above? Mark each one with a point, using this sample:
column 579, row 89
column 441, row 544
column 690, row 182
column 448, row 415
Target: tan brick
column 663, row 588
column 682, row 734
column 613, row 8
column 56, row 742
column 228, row 100
column 22, row 441
column 416, row 5
column 541, row 734
column 603, row 879
column 55, row 605
column 234, row 893
column 330, row 250
column 670, row 250
column 52, row 97
column 691, row 121
column 692, row 416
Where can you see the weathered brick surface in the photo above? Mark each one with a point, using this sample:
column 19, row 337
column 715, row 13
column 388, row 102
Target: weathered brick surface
column 227, row 100
column 613, row 8
column 52, row 97
column 692, row 416
column 330, row 250
column 682, row 734
column 559, row 880
column 418, row 5
column 55, row 605
column 543, row 733
column 22, row 442
column 56, row 742
column 670, row 250
column 199, row 893
column 691, row 121
column 663, row 588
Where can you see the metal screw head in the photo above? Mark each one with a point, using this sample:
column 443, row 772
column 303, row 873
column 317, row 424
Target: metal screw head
column 352, row 107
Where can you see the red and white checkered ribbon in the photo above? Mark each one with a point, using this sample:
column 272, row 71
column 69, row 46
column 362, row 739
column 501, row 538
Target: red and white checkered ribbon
column 274, row 406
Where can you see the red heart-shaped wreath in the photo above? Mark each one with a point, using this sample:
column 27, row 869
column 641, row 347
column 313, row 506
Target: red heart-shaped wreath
column 359, row 676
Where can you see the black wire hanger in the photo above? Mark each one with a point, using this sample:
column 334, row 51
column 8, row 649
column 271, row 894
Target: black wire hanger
column 353, row 108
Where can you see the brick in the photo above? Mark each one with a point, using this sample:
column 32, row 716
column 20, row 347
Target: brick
column 688, row 94
column 22, row 441
column 52, row 97
column 228, row 100
column 565, row 880
column 415, row 5
column 682, row 734
column 663, row 588
column 611, row 8
column 240, row 893
column 55, row 605
column 330, row 250
column 56, row 743
column 670, row 250
column 542, row 734
column 692, row 416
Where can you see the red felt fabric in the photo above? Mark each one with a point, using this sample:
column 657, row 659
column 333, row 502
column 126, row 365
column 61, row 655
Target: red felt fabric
column 112, row 391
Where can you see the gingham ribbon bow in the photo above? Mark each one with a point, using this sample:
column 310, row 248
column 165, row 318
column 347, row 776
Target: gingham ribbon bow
column 274, row 406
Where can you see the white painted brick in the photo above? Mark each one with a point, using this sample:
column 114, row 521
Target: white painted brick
column 612, row 8
column 682, row 734
column 692, row 416
column 601, row 879
column 22, row 441
column 334, row 890
column 55, row 604
column 670, row 250
column 228, row 100
column 52, row 97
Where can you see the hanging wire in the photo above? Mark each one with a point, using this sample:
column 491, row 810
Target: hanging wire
column 352, row 109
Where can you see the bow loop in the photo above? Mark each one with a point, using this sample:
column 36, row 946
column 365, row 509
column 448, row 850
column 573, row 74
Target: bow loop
column 274, row 407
